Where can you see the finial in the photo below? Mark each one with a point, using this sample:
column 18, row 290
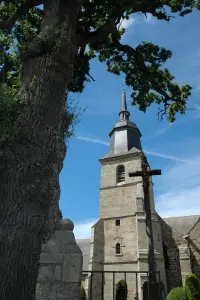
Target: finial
column 124, row 114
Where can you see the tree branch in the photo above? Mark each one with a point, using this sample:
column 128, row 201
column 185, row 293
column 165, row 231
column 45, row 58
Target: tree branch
column 141, row 65
column 8, row 24
column 103, row 32
column 90, row 77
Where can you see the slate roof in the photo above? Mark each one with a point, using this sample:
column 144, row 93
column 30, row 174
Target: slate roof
column 84, row 245
column 182, row 224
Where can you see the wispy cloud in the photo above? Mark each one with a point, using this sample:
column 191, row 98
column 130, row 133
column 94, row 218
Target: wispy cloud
column 147, row 151
column 170, row 157
column 197, row 108
column 178, row 190
column 183, row 202
column 177, row 194
column 91, row 140
column 160, row 131
column 82, row 230
column 128, row 23
column 150, row 19
column 195, row 62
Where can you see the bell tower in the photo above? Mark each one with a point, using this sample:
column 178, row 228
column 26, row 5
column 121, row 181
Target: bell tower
column 119, row 239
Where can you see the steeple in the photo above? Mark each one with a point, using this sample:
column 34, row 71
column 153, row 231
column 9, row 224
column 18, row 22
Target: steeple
column 125, row 136
column 124, row 114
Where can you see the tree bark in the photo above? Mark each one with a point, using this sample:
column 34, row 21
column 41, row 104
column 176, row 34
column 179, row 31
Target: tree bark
column 31, row 163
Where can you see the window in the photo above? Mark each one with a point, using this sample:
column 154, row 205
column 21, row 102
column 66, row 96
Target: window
column 120, row 174
column 117, row 222
column 117, row 248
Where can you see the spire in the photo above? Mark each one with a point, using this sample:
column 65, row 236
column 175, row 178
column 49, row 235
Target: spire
column 124, row 114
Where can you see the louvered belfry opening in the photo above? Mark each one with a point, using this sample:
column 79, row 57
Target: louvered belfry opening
column 120, row 174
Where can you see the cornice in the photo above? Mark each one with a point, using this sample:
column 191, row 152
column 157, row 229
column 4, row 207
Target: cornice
column 121, row 157
column 120, row 186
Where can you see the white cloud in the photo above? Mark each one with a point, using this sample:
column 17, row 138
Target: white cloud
column 82, row 230
column 197, row 108
column 96, row 141
column 149, row 19
column 178, row 189
column 170, row 157
column 183, row 202
column 153, row 153
column 178, row 194
column 128, row 23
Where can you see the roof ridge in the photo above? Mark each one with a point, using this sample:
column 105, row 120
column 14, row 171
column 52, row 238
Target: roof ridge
column 181, row 216
column 193, row 225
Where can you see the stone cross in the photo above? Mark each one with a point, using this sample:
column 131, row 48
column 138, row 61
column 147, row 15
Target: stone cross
column 146, row 173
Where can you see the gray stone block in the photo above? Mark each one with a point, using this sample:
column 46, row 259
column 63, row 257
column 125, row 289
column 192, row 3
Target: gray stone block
column 43, row 291
column 45, row 248
column 49, row 258
column 58, row 273
column 65, row 291
column 72, row 267
column 67, row 237
column 45, row 273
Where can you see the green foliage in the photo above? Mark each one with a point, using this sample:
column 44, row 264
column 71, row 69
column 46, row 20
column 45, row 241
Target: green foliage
column 121, row 290
column 73, row 113
column 10, row 108
column 192, row 287
column 177, row 294
column 99, row 26
column 83, row 293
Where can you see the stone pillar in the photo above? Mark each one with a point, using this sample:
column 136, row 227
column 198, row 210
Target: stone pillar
column 185, row 264
column 60, row 269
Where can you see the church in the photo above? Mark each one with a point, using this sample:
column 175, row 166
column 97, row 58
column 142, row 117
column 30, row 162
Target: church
column 118, row 239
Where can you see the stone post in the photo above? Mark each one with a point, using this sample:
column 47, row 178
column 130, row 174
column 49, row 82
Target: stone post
column 60, row 269
column 184, row 255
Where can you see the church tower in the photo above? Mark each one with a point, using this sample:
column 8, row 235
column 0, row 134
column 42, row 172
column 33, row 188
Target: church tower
column 119, row 240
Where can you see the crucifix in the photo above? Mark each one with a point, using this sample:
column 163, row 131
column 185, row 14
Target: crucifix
column 146, row 173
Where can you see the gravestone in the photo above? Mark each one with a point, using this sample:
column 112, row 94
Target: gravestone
column 60, row 268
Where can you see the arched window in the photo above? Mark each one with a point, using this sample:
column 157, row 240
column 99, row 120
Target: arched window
column 117, row 248
column 120, row 174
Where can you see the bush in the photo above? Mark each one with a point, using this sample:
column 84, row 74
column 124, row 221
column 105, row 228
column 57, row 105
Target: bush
column 83, row 293
column 192, row 287
column 121, row 290
column 177, row 294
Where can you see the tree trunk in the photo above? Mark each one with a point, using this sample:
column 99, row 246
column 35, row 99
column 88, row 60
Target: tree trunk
column 30, row 165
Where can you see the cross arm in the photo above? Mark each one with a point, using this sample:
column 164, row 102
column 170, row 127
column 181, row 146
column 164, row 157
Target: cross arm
column 142, row 174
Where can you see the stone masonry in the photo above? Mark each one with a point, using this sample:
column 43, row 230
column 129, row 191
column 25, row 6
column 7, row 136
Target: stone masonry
column 60, row 269
column 122, row 224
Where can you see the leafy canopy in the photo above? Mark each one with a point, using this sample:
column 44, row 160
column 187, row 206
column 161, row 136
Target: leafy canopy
column 99, row 35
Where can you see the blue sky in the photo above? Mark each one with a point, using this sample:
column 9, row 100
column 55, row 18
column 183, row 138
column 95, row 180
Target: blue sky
column 173, row 148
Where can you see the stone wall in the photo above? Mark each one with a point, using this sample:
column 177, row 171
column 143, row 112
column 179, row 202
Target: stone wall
column 119, row 199
column 194, row 245
column 60, row 269
column 171, row 240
